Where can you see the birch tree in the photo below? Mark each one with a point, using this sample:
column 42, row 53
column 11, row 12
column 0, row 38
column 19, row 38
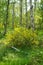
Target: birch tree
column 31, row 15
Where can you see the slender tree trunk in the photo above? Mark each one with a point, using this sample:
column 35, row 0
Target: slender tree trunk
column 26, row 14
column 20, row 12
column 35, row 1
column 41, row 13
column 13, row 14
column 35, row 5
column 31, row 15
column 6, row 22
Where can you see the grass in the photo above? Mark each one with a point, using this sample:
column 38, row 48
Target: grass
column 34, row 57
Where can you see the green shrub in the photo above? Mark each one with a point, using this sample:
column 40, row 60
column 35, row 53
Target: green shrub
column 21, row 37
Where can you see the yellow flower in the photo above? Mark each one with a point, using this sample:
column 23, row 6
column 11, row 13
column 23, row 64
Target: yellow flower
column 35, row 42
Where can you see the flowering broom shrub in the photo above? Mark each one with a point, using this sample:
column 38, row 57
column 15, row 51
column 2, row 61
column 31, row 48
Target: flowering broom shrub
column 21, row 37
